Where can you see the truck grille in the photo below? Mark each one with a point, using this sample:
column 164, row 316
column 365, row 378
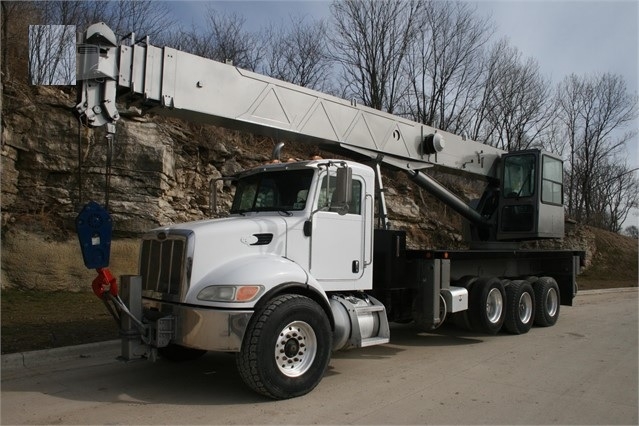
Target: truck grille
column 162, row 265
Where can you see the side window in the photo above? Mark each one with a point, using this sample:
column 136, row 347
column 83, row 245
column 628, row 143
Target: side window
column 326, row 198
column 552, row 181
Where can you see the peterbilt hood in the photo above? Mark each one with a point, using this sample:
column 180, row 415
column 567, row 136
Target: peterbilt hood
column 216, row 242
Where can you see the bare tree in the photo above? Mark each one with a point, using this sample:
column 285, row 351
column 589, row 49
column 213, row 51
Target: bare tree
column 371, row 40
column 52, row 54
column 594, row 111
column 622, row 195
column 78, row 13
column 16, row 18
column 143, row 17
column 445, row 65
column 616, row 194
column 298, row 53
column 51, row 57
column 632, row 231
column 194, row 41
column 231, row 42
column 519, row 102
column 52, row 40
column 223, row 38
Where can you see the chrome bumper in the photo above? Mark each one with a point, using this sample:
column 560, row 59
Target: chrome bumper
column 208, row 329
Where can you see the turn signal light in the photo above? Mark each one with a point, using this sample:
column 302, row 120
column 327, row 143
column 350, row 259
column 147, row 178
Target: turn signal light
column 246, row 293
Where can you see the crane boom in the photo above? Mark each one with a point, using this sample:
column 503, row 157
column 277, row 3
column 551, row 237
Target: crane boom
column 179, row 84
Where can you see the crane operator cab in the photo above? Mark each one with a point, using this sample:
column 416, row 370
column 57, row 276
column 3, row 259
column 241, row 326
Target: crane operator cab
column 531, row 201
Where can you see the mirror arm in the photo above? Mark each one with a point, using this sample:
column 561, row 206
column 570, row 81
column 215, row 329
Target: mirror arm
column 213, row 193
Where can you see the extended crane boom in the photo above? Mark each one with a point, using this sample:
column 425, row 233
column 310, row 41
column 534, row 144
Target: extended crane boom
column 193, row 87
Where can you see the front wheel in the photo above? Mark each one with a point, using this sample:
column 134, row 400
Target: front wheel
column 286, row 348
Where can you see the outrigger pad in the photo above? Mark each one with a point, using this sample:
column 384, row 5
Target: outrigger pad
column 94, row 228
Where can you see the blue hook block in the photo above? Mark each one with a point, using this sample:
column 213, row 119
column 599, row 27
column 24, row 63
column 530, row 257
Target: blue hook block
column 94, row 228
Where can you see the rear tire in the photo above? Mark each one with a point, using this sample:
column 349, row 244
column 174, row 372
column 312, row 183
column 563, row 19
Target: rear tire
column 520, row 307
column 547, row 301
column 487, row 305
column 286, row 348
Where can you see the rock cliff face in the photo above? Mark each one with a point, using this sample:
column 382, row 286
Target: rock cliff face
column 158, row 173
column 160, row 169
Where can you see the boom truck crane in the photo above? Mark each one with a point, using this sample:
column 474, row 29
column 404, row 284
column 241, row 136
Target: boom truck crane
column 301, row 267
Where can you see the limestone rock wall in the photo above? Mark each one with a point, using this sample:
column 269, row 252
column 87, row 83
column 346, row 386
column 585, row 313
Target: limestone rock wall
column 160, row 169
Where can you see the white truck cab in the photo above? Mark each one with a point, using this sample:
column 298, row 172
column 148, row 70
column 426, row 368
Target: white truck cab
column 288, row 228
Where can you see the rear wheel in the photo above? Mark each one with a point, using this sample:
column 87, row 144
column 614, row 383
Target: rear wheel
column 486, row 310
column 520, row 307
column 286, row 348
column 547, row 301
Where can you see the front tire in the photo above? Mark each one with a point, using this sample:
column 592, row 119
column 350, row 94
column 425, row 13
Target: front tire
column 286, row 348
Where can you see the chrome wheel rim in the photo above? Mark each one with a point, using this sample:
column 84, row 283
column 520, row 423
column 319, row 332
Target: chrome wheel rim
column 295, row 349
column 494, row 305
column 552, row 302
column 525, row 307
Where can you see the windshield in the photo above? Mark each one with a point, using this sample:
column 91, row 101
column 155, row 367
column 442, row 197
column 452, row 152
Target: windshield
column 519, row 176
column 284, row 190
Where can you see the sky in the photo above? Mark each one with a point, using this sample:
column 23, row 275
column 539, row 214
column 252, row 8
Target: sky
column 565, row 36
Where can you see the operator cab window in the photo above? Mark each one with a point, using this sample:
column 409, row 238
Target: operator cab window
column 519, row 176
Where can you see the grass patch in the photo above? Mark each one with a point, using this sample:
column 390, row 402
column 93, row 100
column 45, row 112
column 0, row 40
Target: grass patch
column 30, row 261
column 615, row 259
column 33, row 320
column 46, row 298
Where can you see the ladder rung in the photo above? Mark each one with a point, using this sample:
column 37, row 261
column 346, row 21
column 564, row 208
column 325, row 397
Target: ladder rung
column 372, row 308
column 374, row 341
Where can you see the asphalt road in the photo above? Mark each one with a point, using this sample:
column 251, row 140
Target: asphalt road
column 581, row 371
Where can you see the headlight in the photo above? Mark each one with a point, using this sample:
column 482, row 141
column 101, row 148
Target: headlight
column 230, row 293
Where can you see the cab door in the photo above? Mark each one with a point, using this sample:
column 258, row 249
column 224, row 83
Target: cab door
column 338, row 238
